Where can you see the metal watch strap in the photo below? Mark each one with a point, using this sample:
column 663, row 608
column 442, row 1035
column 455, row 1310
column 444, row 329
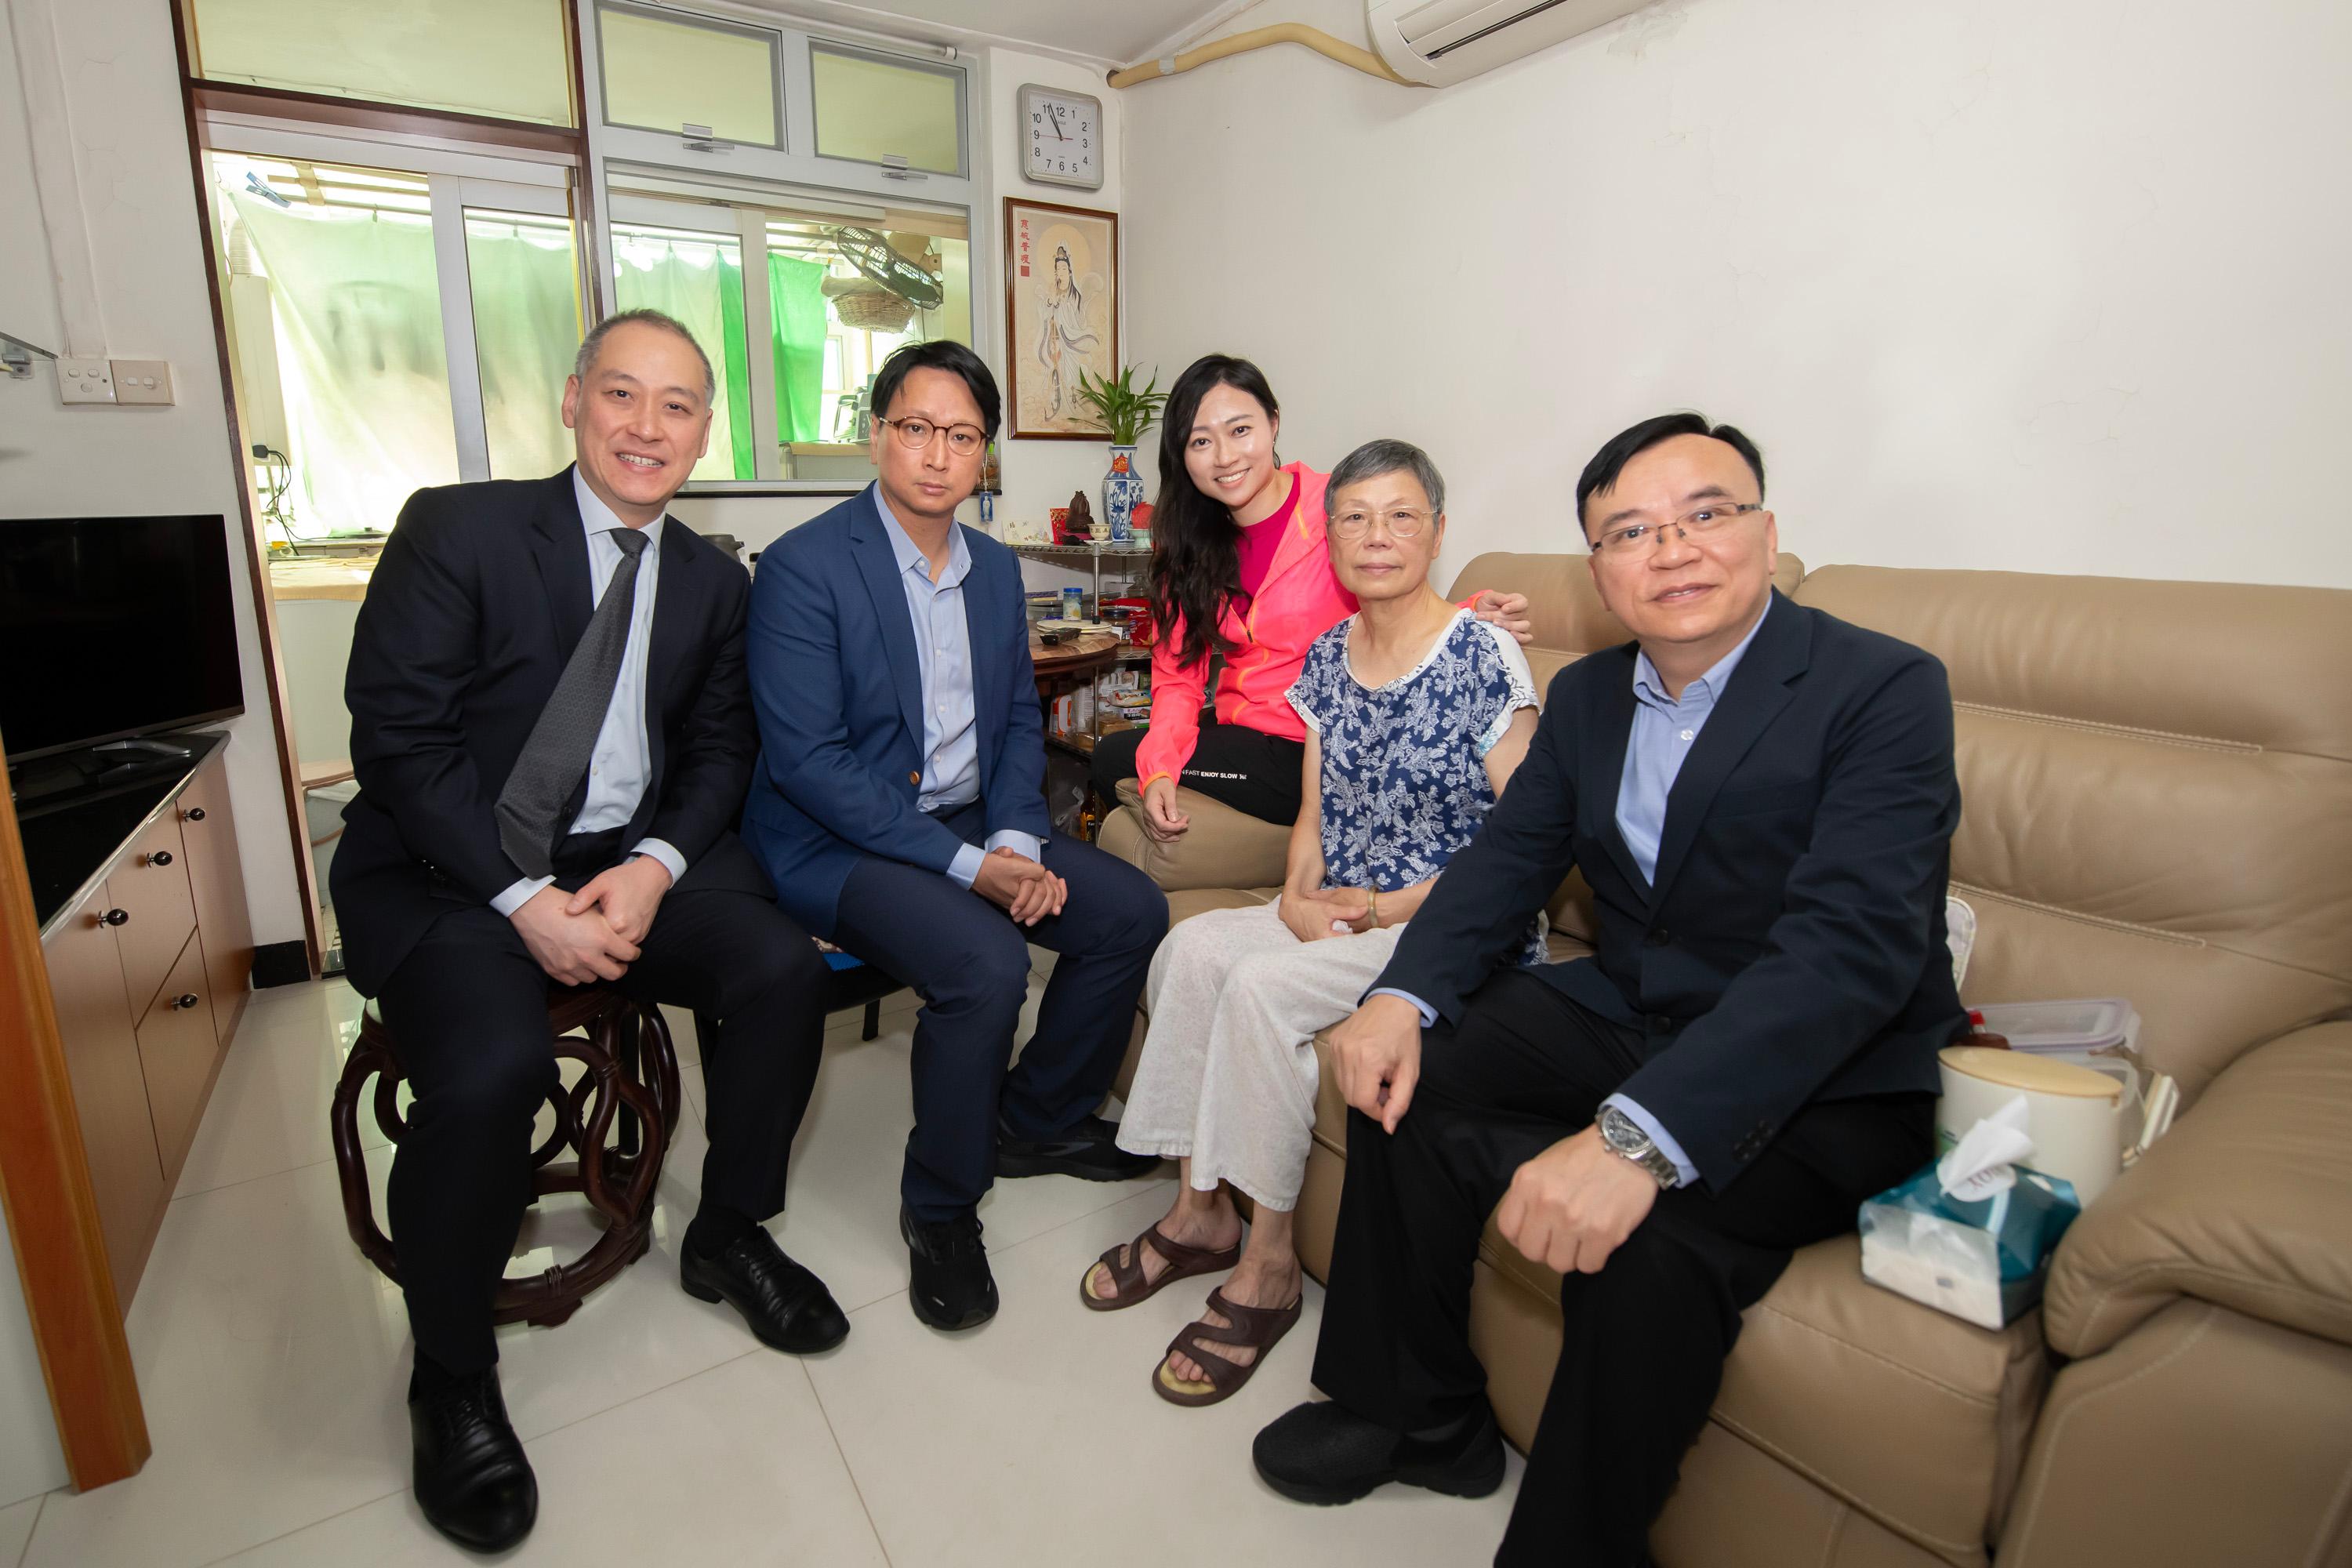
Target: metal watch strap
column 1644, row 1154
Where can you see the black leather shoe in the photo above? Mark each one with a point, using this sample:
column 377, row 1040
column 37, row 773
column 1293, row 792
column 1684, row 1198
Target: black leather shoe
column 789, row 1307
column 472, row 1480
column 1324, row 1453
column 952, row 1287
column 1089, row 1152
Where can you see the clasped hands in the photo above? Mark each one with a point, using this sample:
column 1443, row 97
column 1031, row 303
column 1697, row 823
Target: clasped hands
column 592, row 935
column 1019, row 885
column 1326, row 911
column 1570, row 1208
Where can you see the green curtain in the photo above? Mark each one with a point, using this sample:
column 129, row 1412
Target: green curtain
column 700, row 282
column 796, row 304
column 526, row 331
column 356, row 310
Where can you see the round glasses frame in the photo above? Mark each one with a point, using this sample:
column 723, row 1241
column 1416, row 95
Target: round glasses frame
column 1402, row 522
column 915, row 435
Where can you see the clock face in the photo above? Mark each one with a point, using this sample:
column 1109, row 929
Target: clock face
column 1061, row 137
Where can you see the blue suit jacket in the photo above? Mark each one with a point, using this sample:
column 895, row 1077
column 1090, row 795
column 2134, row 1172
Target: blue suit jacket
column 1792, row 947
column 839, row 697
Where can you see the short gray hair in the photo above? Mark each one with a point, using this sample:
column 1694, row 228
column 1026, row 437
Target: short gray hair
column 1373, row 459
column 651, row 318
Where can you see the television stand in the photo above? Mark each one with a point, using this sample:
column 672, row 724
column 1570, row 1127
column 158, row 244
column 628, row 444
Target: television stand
column 147, row 748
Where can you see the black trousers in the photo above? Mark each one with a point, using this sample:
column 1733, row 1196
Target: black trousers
column 971, row 963
column 1645, row 1339
column 468, row 1006
column 1247, row 769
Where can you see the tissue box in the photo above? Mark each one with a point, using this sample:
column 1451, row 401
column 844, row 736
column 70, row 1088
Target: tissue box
column 1984, row 1261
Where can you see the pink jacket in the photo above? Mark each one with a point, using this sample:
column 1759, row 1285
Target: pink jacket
column 1298, row 601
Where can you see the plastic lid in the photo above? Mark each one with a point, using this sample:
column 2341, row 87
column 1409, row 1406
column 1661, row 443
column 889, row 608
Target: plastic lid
column 2090, row 1025
column 2012, row 1070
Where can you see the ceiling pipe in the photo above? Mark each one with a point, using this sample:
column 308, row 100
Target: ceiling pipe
column 1315, row 39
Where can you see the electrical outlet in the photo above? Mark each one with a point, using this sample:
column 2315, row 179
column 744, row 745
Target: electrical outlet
column 143, row 381
column 85, row 381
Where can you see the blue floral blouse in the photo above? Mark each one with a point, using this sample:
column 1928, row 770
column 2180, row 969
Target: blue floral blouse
column 1404, row 765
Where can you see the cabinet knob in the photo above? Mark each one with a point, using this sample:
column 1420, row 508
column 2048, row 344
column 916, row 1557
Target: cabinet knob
column 196, row 814
column 115, row 918
column 161, row 857
column 186, row 1000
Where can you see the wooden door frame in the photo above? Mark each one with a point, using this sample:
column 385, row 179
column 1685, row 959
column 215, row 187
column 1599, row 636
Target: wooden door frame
column 52, row 1209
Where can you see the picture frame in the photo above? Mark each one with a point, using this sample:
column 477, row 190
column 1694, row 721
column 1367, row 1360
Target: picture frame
column 1061, row 316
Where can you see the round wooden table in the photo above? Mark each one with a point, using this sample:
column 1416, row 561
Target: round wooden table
column 1081, row 658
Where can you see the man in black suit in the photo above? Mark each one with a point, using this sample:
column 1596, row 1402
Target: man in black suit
column 1762, row 798
column 552, row 732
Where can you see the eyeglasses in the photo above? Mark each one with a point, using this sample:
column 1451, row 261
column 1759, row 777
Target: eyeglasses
column 915, row 435
column 1402, row 522
column 1635, row 538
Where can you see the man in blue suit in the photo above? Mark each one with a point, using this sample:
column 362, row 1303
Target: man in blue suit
column 899, row 808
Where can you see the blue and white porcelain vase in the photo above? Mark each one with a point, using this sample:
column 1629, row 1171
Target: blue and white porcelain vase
column 1122, row 487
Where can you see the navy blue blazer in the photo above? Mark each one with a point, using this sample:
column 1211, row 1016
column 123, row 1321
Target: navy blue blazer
column 839, row 696
column 1792, row 947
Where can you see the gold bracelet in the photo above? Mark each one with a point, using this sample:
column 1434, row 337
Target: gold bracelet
column 1374, row 895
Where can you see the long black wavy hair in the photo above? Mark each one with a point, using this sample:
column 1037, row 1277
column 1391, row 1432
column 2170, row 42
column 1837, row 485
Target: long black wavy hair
column 1196, row 550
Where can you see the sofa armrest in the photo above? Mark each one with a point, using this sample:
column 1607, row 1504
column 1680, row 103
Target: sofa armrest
column 2246, row 1202
column 1222, row 848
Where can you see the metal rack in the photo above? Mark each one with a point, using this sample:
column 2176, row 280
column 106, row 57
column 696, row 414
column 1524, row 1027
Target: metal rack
column 1129, row 557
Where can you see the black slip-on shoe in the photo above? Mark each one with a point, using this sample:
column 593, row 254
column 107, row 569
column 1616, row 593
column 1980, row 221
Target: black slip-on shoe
column 1324, row 1453
column 471, row 1478
column 788, row 1308
column 952, row 1287
column 1089, row 1152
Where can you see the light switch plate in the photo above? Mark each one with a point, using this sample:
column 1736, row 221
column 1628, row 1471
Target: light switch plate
column 143, row 381
column 85, row 381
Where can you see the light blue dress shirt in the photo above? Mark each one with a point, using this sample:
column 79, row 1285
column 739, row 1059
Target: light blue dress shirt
column 943, row 653
column 621, row 763
column 1663, row 732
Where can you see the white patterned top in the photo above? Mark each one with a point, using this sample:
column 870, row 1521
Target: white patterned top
column 1404, row 772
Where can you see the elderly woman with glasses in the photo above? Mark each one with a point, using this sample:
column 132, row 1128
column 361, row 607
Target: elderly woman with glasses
column 1415, row 712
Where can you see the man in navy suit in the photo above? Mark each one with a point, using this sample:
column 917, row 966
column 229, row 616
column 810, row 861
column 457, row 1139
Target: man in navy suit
column 1762, row 798
column 899, row 808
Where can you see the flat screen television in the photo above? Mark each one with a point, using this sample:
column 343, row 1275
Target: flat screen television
column 113, row 627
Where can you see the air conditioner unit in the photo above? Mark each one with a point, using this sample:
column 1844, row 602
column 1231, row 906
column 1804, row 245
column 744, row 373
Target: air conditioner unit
column 1441, row 42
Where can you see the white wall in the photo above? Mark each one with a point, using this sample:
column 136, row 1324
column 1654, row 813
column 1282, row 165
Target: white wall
column 131, row 144
column 1995, row 283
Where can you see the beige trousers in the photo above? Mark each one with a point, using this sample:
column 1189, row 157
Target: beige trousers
column 1227, row 1075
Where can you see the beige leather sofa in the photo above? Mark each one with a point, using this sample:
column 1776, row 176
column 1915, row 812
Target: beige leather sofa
column 2157, row 786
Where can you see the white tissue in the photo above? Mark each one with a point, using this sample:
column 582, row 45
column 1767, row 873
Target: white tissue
column 1982, row 1163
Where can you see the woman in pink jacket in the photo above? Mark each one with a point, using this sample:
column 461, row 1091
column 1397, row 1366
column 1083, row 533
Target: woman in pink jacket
column 1238, row 568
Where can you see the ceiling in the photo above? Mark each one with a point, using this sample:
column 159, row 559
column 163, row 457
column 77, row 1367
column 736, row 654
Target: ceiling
column 1118, row 31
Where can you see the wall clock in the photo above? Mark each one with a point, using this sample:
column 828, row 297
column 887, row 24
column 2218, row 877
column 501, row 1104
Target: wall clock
column 1061, row 137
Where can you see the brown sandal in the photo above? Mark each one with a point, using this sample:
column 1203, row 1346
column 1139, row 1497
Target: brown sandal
column 1127, row 1278
column 1252, row 1327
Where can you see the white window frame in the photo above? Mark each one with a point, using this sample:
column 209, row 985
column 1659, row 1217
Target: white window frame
column 794, row 177
column 457, row 177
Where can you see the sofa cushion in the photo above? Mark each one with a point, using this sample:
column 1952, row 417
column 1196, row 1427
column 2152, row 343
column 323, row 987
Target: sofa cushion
column 1224, row 848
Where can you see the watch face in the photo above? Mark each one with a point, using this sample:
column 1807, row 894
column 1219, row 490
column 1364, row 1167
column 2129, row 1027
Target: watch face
column 1061, row 137
column 1621, row 1132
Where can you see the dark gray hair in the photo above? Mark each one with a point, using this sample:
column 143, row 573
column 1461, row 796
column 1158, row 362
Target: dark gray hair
column 651, row 318
column 1373, row 459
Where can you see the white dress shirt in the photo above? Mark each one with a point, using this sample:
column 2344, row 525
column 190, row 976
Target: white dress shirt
column 621, row 763
column 943, row 658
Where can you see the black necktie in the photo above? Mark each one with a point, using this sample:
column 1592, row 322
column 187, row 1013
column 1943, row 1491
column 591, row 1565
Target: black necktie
column 556, row 756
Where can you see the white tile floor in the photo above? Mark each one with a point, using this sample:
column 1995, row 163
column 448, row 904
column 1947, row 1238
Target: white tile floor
column 273, row 1359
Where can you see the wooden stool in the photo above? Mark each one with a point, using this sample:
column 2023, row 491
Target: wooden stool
column 630, row 1075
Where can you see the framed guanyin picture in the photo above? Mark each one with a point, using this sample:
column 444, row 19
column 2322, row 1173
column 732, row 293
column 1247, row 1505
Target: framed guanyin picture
column 1061, row 305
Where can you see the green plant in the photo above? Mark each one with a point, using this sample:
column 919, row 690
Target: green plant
column 1122, row 411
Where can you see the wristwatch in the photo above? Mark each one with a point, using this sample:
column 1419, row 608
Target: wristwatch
column 1623, row 1137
